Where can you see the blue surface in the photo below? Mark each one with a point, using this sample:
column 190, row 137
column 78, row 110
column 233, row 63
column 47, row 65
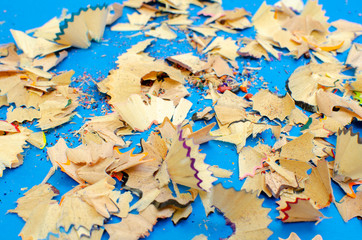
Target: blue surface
column 96, row 62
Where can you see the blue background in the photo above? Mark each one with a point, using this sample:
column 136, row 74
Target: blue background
column 98, row 60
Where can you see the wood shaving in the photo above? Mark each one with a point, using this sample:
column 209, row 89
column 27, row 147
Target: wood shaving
column 226, row 199
column 350, row 207
column 272, row 106
column 301, row 210
column 346, row 162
